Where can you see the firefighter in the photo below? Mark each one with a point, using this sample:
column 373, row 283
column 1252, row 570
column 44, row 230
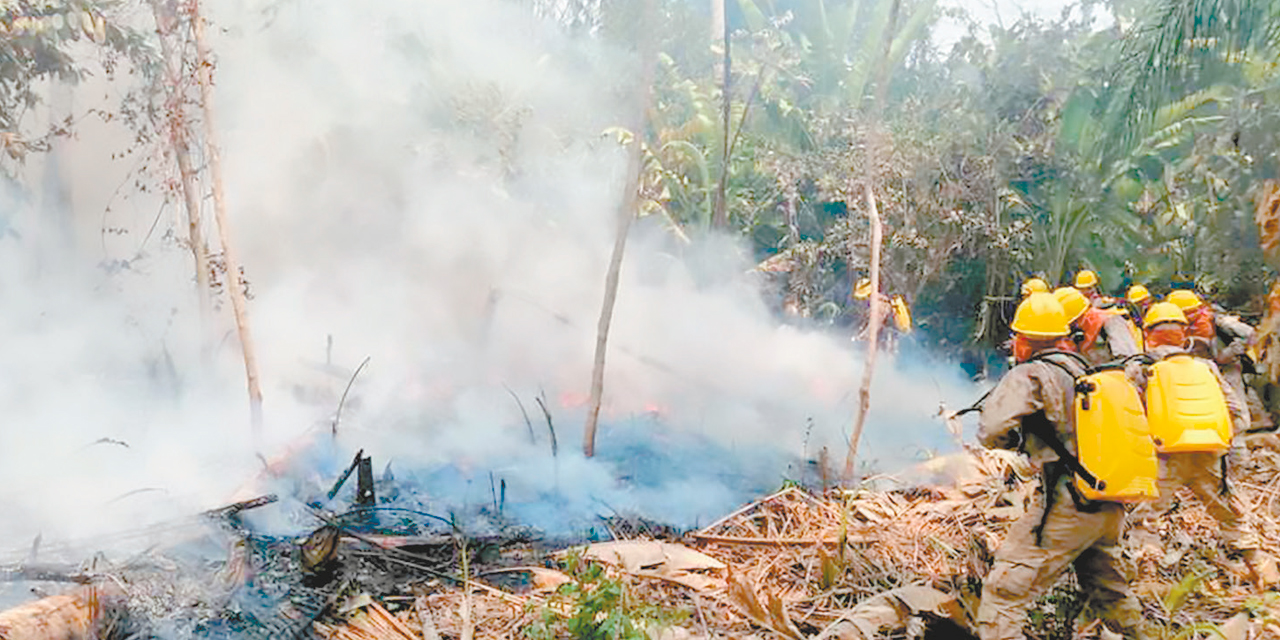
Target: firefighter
column 1034, row 285
column 1139, row 300
column 1224, row 339
column 1100, row 335
column 895, row 315
column 1062, row 529
column 1200, row 331
column 1086, row 282
column 1202, row 471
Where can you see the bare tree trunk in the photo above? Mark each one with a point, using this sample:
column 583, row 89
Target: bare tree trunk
column 175, row 115
column 876, row 153
column 718, row 20
column 235, row 287
column 720, row 216
column 626, row 213
column 873, row 336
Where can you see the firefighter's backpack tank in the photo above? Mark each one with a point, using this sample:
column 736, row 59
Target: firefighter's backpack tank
column 1113, row 440
column 1186, row 408
column 901, row 314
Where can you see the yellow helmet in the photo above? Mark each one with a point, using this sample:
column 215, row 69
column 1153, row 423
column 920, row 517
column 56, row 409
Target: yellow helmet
column 1040, row 316
column 1137, row 293
column 1074, row 304
column 862, row 290
column 1185, row 299
column 1086, row 279
column 1163, row 312
column 1034, row 285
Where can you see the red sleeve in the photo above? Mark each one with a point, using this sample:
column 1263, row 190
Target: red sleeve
column 1202, row 327
column 1091, row 323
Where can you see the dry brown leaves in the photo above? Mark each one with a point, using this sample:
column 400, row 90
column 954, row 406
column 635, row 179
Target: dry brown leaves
column 1267, row 215
column 794, row 563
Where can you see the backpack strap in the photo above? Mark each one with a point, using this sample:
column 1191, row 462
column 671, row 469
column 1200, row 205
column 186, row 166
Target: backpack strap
column 1043, row 356
column 1060, row 358
column 1054, row 473
column 977, row 405
column 1039, row 426
column 1225, row 489
column 1082, row 387
column 1058, row 470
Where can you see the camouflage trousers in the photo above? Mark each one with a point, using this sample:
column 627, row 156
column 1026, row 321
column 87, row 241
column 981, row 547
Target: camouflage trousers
column 1259, row 418
column 1027, row 565
column 1202, row 474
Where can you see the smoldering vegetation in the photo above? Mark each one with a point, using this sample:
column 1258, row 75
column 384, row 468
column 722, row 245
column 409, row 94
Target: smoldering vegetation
column 430, row 186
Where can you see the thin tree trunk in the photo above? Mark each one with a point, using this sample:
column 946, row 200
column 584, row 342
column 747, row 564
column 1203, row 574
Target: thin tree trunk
column 873, row 336
column 877, row 151
column 175, row 114
column 720, row 216
column 626, row 213
column 718, row 19
column 235, row 287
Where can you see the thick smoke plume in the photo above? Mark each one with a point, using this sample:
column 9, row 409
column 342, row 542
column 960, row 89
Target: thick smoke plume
column 429, row 185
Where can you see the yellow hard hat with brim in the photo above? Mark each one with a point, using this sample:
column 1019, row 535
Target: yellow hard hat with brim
column 862, row 290
column 1086, row 279
column 1185, row 299
column 1163, row 312
column 1034, row 285
column 1137, row 293
column 1074, row 304
column 1041, row 316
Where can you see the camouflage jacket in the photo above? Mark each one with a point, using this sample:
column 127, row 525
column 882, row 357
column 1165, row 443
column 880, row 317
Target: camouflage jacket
column 1108, row 341
column 1029, row 388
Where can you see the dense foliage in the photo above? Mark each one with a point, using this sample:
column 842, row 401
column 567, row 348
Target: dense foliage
column 1039, row 147
column 1124, row 136
column 57, row 41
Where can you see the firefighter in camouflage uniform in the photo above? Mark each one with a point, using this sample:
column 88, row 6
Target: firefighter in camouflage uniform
column 1061, row 529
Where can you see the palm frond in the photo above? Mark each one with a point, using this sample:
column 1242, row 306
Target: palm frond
column 1180, row 43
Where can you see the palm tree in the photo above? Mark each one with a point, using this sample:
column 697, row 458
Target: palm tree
column 1182, row 46
column 1185, row 46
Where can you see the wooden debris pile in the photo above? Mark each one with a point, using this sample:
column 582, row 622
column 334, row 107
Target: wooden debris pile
column 792, row 563
column 841, row 565
column 850, row 565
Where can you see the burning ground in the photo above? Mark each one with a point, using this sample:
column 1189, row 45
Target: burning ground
column 425, row 187
column 375, row 563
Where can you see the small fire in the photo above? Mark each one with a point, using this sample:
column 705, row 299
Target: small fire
column 577, row 400
column 573, row 399
column 824, row 390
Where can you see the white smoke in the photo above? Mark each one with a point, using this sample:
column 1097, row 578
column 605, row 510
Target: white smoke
column 429, row 185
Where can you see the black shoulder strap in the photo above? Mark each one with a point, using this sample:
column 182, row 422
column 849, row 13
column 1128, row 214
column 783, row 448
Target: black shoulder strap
column 1059, row 358
column 1043, row 356
column 1039, row 425
column 1225, row 487
column 977, row 405
column 1174, row 354
column 1225, row 335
